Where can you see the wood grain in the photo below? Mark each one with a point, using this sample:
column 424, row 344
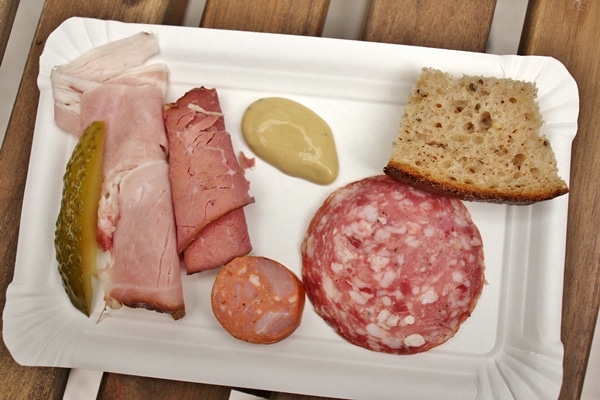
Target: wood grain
column 176, row 12
column 460, row 25
column 126, row 387
column 568, row 30
column 290, row 396
column 21, row 382
column 8, row 10
column 306, row 17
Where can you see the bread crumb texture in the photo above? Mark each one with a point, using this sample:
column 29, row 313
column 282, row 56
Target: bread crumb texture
column 477, row 138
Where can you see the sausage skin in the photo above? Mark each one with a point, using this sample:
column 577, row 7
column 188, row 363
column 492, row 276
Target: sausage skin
column 257, row 300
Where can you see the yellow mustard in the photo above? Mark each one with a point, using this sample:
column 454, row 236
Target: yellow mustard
column 292, row 138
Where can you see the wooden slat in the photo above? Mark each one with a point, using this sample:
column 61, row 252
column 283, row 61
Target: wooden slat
column 568, row 30
column 20, row 382
column 460, row 25
column 8, row 10
column 290, row 396
column 306, row 17
column 176, row 12
column 116, row 386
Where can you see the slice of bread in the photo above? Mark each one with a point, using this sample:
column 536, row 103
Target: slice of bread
column 476, row 138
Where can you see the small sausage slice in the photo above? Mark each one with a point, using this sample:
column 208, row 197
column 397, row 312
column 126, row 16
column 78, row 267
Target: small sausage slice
column 257, row 300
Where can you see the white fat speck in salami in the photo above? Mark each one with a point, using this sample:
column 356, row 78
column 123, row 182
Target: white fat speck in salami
column 257, row 299
column 391, row 268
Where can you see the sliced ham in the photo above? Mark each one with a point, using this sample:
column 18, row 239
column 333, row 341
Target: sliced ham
column 207, row 180
column 144, row 270
column 136, row 223
column 119, row 62
column 135, row 135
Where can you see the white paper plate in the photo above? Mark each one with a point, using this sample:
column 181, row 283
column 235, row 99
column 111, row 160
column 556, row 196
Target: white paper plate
column 510, row 347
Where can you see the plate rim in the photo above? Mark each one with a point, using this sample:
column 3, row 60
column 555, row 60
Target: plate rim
column 487, row 372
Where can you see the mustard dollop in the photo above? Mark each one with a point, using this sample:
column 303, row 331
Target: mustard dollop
column 292, row 138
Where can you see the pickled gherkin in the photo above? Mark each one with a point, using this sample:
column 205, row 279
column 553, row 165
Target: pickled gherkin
column 75, row 236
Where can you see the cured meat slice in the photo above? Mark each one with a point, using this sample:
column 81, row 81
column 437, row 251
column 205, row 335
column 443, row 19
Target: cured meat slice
column 198, row 110
column 136, row 223
column 390, row 268
column 119, row 62
column 144, row 269
column 207, row 179
column 257, row 300
column 218, row 243
column 135, row 135
column 207, row 184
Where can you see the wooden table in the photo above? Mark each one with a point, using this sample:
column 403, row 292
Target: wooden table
column 564, row 29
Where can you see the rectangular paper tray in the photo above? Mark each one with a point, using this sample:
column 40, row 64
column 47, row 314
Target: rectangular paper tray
column 510, row 347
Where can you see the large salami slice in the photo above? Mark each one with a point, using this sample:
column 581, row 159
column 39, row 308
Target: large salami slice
column 391, row 268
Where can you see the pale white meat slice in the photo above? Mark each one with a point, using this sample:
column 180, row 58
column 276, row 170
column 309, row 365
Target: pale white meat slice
column 115, row 62
column 111, row 58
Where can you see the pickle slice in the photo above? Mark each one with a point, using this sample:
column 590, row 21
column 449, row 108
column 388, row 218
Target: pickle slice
column 75, row 236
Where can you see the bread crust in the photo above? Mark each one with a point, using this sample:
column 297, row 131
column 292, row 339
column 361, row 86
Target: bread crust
column 475, row 138
column 413, row 177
